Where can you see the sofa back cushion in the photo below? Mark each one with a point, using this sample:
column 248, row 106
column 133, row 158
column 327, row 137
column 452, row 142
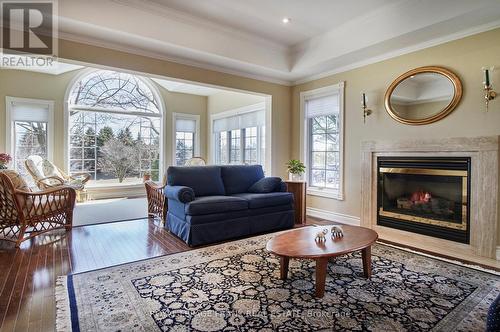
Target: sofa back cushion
column 239, row 178
column 204, row 180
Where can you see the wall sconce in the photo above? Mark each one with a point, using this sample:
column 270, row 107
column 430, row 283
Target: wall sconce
column 490, row 94
column 366, row 110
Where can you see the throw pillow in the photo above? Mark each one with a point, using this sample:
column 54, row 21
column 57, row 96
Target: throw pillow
column 265, row 185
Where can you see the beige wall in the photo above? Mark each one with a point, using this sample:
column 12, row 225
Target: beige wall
column 183, row 103
column 281, row 95
column 25, row 84
column 228, row 100
column 465, row 57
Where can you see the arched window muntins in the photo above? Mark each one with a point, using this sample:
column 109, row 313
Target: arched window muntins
column 115, row 91
column 115, row 127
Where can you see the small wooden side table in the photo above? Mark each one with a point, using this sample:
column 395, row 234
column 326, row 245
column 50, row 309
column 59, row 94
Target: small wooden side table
column 298, row 189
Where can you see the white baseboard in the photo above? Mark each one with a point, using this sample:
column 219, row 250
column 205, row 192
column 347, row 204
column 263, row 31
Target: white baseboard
column 498, row 253
column 333, row 216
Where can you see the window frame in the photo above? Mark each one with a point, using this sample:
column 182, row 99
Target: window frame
column 68, row 107
column 305, row 139
column 196, row 141
column 10, row 120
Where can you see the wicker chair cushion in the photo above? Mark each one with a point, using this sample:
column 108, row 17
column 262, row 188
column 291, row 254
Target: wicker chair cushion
column 45, row 206
column 17, row 180
column 49, row 169
column 36, row 167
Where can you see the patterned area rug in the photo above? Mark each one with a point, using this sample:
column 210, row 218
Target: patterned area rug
column 236, row 287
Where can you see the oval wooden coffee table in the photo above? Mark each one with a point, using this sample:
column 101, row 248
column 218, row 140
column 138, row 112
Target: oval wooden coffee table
column 300, row 243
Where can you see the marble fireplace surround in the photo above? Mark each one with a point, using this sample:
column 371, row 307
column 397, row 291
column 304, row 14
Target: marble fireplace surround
column 484, row 209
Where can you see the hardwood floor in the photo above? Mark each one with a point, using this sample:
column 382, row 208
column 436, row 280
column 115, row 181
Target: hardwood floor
column 28, row 275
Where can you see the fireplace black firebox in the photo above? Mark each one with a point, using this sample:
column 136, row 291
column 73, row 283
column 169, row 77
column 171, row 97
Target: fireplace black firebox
column 424, row 195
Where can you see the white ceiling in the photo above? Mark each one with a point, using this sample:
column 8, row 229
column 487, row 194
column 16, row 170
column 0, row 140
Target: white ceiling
column 264, row 17
column 247, row 38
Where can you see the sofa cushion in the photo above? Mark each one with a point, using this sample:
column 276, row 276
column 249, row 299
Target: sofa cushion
column 204, row 180
column 266, row 185
column 215, row 204
column 238, row 178
column 257, row 201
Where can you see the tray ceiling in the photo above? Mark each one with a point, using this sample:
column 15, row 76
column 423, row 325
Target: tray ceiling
column 248, row 38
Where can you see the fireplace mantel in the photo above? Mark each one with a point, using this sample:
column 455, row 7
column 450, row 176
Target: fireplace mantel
column 484, row 213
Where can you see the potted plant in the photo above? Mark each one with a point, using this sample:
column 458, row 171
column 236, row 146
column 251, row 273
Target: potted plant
column 4, row 160
column 295, row 169
column 146, row 176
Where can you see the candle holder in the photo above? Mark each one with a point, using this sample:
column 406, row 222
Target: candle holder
column 366, row 110
column 489, row 94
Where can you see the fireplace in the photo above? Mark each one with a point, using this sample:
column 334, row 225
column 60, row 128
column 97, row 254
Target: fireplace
column 425, row 195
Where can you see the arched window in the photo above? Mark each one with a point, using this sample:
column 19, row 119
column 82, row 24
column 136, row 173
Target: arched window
column 114, row 127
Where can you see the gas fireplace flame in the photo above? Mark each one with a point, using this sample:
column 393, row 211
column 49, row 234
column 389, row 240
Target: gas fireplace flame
column 420, row 197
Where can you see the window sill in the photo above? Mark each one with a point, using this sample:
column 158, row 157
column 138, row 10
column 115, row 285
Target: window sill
column 98, row 186
column 325, row 193
column 107, row 191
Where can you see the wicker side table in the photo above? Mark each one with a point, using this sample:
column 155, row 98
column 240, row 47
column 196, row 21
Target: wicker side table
column 157, row 203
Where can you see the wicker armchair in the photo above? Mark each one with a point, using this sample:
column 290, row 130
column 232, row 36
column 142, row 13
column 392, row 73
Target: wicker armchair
column 195, row 161
column 47, row 175
column 25, row 214
column 157, row 203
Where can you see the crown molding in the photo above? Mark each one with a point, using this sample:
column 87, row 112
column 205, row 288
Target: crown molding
column 402, row 51
column 271, row 78
column 162, row 56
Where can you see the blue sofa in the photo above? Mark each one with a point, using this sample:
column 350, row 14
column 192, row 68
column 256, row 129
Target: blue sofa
column 209, row 204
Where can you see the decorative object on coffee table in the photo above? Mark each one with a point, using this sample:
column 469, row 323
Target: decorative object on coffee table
column 320, row 236
column 337, row 231
column 5, row 159
column 299, row 243
column 298, row 189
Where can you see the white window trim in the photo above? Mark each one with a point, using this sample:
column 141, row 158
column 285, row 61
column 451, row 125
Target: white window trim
column 266, row 106
column 68, row 107
column 9, row 126
column 304, row 137
column 186, row 116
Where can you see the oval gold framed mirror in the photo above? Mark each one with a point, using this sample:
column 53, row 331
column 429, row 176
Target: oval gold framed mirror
column 423, row 95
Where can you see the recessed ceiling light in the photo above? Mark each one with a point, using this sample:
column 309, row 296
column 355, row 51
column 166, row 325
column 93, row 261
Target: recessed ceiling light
column 285, row 20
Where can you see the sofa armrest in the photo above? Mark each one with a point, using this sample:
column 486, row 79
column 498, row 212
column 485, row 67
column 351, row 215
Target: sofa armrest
column 180, row 193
